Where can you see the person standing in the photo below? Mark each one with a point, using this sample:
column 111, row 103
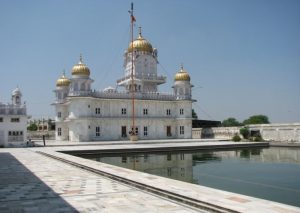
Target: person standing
column 44, row 141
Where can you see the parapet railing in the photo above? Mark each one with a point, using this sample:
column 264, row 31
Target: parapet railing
column 12, row 110
column 145, row 77
column 125, row 95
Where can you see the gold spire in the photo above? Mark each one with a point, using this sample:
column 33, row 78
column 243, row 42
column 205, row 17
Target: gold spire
column 140, row 32
column 182, row 75
column 80, row 58
column 80, row 68
column 140, row 44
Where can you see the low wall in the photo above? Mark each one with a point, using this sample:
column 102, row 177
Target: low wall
column 215, row 132
column 289, row 132
column 39, row 134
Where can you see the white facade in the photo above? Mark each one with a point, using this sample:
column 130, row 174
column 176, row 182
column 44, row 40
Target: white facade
column 83, row 114
column 13, row 121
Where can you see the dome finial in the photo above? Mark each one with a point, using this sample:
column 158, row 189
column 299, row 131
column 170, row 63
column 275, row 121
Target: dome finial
column 140, row 33
column 64, row 72
column 181, row 67
column 80, row 58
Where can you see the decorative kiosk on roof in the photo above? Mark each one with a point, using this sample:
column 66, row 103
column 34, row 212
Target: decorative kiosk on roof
column 13, row 121
column 182, row 86
column 135, row 106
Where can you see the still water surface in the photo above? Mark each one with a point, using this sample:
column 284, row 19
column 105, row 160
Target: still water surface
column 268, row 173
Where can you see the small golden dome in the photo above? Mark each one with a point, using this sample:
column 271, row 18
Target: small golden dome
column 140, row 44
column 182, row 75
column 80, row 68
column 63, row 81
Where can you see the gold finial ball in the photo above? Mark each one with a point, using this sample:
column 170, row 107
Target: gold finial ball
column 140, row 44
column 63, row 81
column 80, row 68
column 182, row 75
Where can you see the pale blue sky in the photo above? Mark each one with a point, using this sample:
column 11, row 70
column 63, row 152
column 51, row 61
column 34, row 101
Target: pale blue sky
column 243, row 56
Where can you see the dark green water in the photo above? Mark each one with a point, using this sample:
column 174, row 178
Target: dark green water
column 269, row 173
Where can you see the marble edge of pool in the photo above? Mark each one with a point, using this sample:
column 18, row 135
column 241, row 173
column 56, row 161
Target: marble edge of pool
column 227, row 200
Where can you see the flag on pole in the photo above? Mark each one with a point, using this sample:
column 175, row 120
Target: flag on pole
column 133, row 18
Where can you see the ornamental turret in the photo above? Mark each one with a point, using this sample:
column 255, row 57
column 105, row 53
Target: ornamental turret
column 62, row 88
column 140, row 58
column 182, row 86
column 80, row 81
column 16, row 97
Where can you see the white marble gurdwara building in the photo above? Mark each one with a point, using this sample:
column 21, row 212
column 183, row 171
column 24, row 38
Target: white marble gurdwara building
column 83, row 114
column 13, row 121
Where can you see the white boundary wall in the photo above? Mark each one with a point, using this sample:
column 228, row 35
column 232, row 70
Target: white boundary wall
column 289, row 132
column 285, row 132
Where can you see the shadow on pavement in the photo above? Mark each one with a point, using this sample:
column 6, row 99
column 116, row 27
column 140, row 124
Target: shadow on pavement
column 22, row 191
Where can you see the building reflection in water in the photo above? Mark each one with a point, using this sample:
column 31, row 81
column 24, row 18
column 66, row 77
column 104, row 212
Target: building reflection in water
column 179, row 166
column 175, row 166
column 266, row 155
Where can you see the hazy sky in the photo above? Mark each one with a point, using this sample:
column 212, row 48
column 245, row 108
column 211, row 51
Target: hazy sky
column 243, row 56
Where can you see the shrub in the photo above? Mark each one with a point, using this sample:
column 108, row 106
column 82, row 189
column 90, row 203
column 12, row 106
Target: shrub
column 245, row 132
column 236, row 138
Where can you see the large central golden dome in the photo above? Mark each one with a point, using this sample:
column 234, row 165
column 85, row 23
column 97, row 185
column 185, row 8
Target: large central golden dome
column 80, row 68
column 182, row 75
column 140, row 44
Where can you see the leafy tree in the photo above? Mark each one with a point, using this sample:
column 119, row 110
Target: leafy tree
column 32, row 127
column 257, row 119
column 245, row 132
column 231, row 122
column 194, row 114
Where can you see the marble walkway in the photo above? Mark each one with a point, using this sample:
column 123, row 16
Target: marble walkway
column 31, row 182
column 41, row 179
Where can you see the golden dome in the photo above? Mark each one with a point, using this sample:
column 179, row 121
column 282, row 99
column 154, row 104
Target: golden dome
column 140, row 44
column 80, row 68
column 63, row 81
column 182, row 75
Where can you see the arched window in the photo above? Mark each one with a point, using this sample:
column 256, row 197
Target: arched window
column 180, row 91
column 82, row 87
column 75, row 86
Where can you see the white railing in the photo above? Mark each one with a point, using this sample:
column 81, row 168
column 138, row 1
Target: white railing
column 125, row 95
column 145, row 77
column 12, row 110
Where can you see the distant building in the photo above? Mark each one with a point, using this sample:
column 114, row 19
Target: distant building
column 13, row 121
column 206, row 123
column 42, row 125
column 83, row 114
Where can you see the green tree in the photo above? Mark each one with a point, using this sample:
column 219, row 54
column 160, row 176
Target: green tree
column 257, row 119
column 230, row 122
column 194, row 114
column 32, row 127
column 245, row 132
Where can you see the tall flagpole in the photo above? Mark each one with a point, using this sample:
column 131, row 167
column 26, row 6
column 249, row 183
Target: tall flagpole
column 132, row 20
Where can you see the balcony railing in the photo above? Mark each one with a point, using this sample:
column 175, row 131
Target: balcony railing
column 12, row 110
column 125, row 95
column 159, row 78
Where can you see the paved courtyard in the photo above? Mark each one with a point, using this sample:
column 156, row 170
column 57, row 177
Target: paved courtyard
column 33, row 182
column 30, row 182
